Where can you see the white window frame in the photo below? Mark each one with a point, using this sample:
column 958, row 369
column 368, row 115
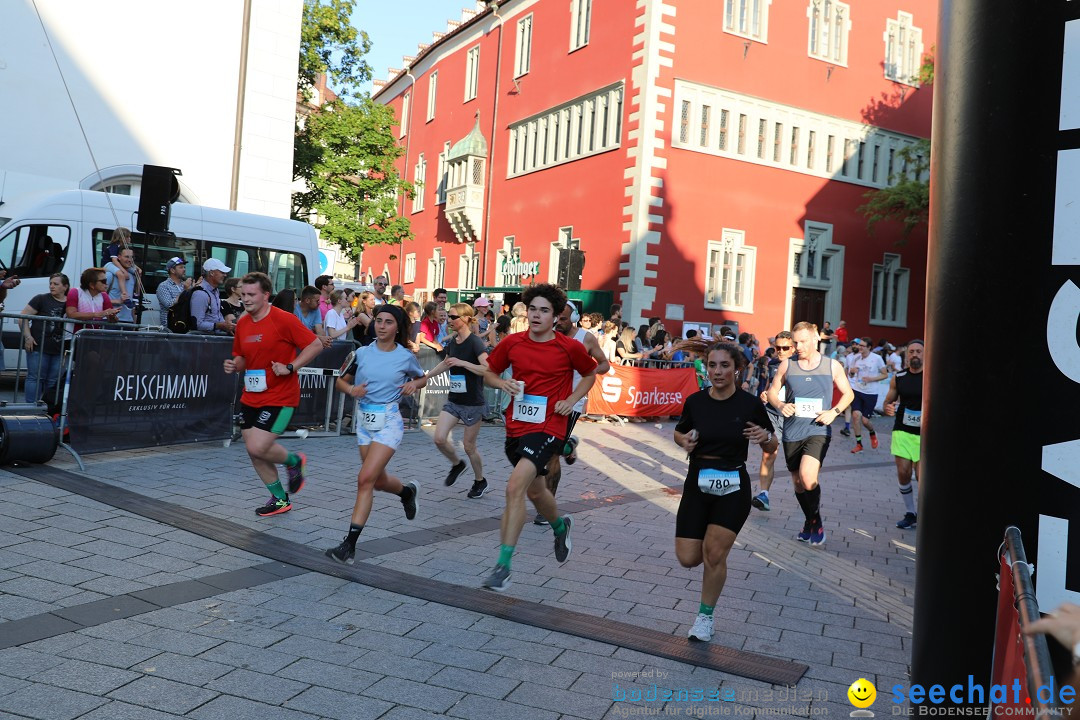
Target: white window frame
column 419, row 178
column 829, row 27
column 903, row 49
column 509, row 252
column 580, row 23
column 404, row 115
column 410, row 268
column 819, row 236
column 747, row 18
column 720, row 282
column 432, row 93
column 469, row 268
column 436, row 269
column 566, row 240
column 889, row 280
column 523, row 49
column 444, row 174
column 585, row 126
column 472, row 73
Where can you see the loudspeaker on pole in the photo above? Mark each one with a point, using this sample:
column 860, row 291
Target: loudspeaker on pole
column 160, row 189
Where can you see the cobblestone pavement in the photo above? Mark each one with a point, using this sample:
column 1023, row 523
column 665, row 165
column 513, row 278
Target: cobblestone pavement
column 224, row 633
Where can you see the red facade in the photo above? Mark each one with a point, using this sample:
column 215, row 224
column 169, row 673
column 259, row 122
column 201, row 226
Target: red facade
column 724, row 142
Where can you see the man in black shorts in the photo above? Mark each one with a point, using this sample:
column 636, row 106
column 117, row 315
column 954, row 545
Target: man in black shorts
column 808, row 382
column 785, row 347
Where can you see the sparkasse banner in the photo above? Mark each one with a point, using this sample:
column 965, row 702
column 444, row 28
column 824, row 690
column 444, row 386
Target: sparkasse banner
column 641, row 392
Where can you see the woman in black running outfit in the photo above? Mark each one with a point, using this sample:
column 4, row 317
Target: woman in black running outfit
column 716, row 429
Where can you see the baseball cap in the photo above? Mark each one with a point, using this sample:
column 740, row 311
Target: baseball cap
column 215, row 264
column 481, row 302
column 730, row 337
column 173, row 262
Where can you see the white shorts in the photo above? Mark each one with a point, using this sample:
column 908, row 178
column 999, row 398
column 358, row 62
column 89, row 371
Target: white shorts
column 390, row 435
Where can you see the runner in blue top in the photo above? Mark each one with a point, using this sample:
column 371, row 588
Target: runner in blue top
column 378, row 376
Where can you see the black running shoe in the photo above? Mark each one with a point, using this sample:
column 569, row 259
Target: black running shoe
column 540, row 520
column 478, row 489
column 562, row 542
column 452, row 476
column 909, row 522
column 343, row 553
column 274, row 507
column 409, row 502
column 499, row 579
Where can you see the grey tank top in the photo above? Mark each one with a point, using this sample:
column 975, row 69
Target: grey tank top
column 809, row 390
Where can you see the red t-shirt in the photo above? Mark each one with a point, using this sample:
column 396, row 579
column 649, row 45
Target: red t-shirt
column 841, row 335
column 547, row 368
column 430, row 328
column 277, row 337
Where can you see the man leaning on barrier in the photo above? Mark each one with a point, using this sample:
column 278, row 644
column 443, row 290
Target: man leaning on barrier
column 206, row 307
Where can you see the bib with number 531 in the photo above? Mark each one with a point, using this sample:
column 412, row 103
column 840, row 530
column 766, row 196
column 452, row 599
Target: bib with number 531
column 531, row 409
column 807, row 407
column 719, row 482
column 255, row 381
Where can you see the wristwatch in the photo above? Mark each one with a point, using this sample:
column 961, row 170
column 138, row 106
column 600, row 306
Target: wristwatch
column 290, row 367
column 837, row 410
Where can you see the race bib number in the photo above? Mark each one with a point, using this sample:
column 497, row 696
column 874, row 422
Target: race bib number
column 457, row 383
column 255, row 380
column 807, row 407
column 913, row 418
column 373, row 417
column 719, row 482
column 530, row 409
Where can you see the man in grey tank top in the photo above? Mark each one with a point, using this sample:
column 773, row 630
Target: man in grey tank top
column 808, row 381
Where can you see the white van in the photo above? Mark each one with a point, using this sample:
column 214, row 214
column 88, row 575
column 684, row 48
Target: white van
column 67, row 232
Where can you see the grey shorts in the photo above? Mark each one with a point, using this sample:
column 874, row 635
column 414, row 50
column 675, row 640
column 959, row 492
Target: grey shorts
column 777, row 425
column 469, row 415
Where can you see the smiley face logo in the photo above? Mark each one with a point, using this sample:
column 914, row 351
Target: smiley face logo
column 862, row 693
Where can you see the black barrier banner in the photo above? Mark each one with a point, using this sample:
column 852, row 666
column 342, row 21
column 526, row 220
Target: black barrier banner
column 132, row 390
column 438, row 387
column 314, row 386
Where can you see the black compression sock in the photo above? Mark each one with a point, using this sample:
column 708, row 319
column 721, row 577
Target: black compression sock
column 354, row 534
column 813, row 501
column 804, row 499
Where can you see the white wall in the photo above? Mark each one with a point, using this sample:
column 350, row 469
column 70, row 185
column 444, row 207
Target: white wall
column 153, row 83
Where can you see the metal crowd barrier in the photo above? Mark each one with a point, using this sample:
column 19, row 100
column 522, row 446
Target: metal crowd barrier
column 1016, row 655
column 658, row 364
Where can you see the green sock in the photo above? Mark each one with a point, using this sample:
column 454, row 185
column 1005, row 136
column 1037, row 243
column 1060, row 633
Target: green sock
column 506, row 552
column 704, row 609
column 277, row 491
column 558, row 526
column 858, row 439
column 293, row 460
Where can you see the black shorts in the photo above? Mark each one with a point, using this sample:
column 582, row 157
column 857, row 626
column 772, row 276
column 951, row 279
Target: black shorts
column 864, row 403
column 815, row 446
column 539, row 448
column 270, row 418
column 698, row 510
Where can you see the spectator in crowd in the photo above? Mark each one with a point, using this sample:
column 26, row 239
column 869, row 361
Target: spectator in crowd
column 412, row 310
column 615, row 313
column 519, row 321
column 121, row 238
column 445, row 331
column 89, row 301
column 121, row 291
column 607, row 341
column 586, row 322
column 365, row 313
column 232, row 307
column 485, row 322
column 828, row 336
column 626, row 347
column 842, row 338
column 285, row 300
column 308, row 310
column 171, row 287
column 429, row 327
column 380, row 290
column 397, row 296
column 597, row 325
column 44, row 341
column 325, row 285
column 339, row 319
column 206, row 306
column 643, row 341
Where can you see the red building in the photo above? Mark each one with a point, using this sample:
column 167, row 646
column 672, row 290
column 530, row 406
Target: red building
column 697, row 161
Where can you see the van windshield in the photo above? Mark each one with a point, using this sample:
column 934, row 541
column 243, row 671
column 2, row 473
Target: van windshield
column 34, row 250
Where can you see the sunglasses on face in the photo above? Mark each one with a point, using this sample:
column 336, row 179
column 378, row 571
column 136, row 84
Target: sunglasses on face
column 782, row 348
column 454, row 317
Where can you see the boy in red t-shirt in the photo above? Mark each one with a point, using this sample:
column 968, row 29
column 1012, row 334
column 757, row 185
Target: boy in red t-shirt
column 536, row 421
column 265, row 348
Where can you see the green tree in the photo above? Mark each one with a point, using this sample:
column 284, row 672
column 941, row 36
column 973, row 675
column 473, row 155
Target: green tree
column 907, row 198
column 344, row 150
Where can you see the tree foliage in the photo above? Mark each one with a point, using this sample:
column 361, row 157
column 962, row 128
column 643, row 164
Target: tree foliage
column 907, row 198
column 345, row 155
column 330, row 45
column 344, row 151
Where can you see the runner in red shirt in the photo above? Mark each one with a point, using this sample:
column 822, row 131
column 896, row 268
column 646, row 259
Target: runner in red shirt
column 265, row 349
column 543, row 363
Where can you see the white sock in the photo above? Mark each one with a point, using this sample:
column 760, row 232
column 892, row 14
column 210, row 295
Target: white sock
column 908, row 493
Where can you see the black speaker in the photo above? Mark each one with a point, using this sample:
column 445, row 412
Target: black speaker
column 571, row 266
column 160, row 190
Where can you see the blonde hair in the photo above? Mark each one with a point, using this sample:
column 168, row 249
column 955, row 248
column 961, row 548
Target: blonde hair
column 336, row 296
column 519, row 310
column 519, row 324
column 121, row 236
column 627, row 338
column 809, row 326
column 464, row 310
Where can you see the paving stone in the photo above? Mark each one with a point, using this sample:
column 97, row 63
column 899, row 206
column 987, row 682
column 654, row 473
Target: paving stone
column 406, row 713
column 116, row 710
column 393, row 665
column 13, row 607
column 256, row 686
column 511, row 647
column 469, row 681
column 373, row 640
column 446, row 635
column 458, row 657
column 106, row 610
column 244, row 656
column 226, row 707
column 86, row 677
column 194, row 671
column 37, row 589
column 161, row 694
column 47, row 702
column 107, row 652
column 10, row 684
column 109, row 549
column 174, row 641
column 58, row 572
column 314, row 648
column 414, row 694
column 540, row 696
column 331, row 675
column 477, row 707
column 533, row 672
column 241, row 632
column 338, row 705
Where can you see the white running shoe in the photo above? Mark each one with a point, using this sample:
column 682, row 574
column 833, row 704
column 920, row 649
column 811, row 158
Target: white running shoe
column 702, row 630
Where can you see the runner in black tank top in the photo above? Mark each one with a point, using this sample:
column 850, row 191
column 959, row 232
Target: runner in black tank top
column 716, row 428
column 904, row 400
column 808, row 420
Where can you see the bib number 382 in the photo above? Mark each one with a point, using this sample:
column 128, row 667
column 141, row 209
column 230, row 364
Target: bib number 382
column 719, row 482
column 531, row 409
